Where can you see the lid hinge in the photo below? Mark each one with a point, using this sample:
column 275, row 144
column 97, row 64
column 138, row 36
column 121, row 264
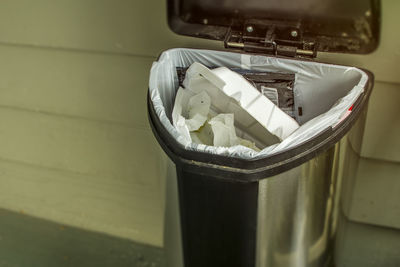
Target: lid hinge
column 271, row 44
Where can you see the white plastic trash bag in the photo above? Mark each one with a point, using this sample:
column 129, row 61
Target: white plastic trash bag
column 323, row 92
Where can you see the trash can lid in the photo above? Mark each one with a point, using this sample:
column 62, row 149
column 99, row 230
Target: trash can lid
column 281, row 27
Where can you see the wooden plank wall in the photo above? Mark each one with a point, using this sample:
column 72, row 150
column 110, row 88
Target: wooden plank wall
column 75, row 145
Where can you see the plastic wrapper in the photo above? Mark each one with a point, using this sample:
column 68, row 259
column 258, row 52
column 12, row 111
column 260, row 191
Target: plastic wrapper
column 277, row 87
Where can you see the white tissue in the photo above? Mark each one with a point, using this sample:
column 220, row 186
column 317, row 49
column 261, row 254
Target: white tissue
column 225, row 134
column 198, row 108
column 224, row 130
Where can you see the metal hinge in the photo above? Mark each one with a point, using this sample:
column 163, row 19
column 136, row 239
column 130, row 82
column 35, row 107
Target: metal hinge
column 272, row 40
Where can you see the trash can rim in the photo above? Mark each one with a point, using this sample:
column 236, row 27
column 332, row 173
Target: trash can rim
column 259, row 168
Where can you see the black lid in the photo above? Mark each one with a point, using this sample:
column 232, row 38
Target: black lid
column 346, row 26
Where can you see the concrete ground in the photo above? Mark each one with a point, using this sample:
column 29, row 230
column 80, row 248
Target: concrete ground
column 30, row 242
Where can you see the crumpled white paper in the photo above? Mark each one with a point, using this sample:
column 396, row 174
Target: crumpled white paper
column 198, row 108
column 200, row 126
column 224, row 130
column 225, row 134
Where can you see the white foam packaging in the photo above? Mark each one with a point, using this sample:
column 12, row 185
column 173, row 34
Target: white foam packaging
column 229, row 93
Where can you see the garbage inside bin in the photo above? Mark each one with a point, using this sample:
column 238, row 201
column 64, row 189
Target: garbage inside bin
column 221, row 90
column 322, row 96
column 276, row 86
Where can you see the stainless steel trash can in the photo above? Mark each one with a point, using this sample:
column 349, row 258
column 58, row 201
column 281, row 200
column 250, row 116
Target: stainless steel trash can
column 280, row 210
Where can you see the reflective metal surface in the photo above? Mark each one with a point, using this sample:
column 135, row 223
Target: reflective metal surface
column 294, row 214
column 299, row 209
